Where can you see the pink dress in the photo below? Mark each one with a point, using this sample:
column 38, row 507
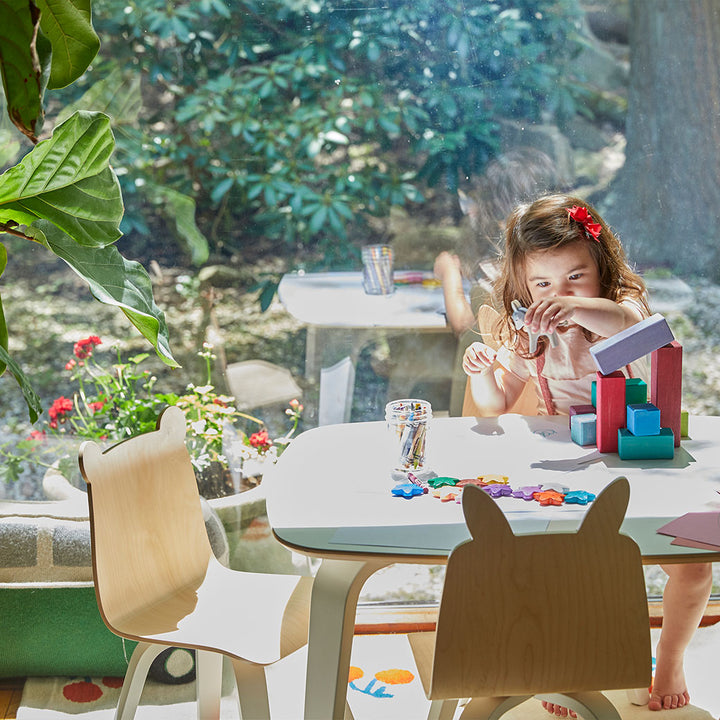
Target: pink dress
column 567, row 372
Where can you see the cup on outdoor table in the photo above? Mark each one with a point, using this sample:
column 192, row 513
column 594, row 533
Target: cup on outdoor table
column 378, row 269
column 407, row 422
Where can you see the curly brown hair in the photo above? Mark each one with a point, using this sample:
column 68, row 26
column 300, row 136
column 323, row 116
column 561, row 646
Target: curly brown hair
column 545, row 224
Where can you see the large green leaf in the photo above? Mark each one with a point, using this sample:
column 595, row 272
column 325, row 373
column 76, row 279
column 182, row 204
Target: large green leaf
column 117, row 95
column 66, row 180
column 68, row 26
column 113, row 280
column 181, row 208
column 33, row 401
column 24, row 64
column 3, row 324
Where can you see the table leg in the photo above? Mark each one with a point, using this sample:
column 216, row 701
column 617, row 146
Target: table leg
column 332, row 621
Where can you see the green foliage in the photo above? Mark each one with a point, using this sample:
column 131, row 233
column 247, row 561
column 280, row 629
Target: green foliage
column 63, row 194
column 113, row 403
column 300, row 120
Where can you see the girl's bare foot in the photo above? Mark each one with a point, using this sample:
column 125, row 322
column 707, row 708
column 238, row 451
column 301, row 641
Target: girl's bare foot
column 669, row 689
column 558, row 710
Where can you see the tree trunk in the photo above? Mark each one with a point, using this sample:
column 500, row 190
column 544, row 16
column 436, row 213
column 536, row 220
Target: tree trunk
column 667, row 197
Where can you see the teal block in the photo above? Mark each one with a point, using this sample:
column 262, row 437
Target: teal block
column 593, row 394
column 583, row 429
column 646, row 447
column 643, row 419
column 635, row 391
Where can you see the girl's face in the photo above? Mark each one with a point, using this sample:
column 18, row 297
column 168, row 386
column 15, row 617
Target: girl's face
column 568, row 270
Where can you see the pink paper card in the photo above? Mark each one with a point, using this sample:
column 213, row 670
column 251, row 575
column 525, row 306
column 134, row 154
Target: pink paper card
column 684, row 542
column 701, row 527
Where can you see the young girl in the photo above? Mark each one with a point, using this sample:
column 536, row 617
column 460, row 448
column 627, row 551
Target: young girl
column 563, row 263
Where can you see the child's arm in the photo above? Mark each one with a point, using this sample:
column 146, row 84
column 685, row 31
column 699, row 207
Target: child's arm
column 494, row 389
column 599, row 315
column 457, row 308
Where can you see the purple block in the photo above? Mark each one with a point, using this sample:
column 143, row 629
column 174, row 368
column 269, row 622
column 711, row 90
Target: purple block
column 632, row 343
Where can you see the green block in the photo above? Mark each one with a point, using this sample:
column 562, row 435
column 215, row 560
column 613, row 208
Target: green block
column 684, row 423
column 646, row 447
column 635, row 391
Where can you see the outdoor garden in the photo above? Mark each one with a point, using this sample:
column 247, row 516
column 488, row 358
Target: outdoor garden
column 174, row 160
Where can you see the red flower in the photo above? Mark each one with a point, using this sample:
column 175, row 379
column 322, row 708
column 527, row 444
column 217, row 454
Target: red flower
column 260, row 440
column 84, row 348
column 61, row 406
column 581, row 215
column 96, row 406
column 36, row 435
column 58, row 409
column 70, row 364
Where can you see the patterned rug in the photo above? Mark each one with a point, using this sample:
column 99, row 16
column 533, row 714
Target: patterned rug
column 383, row 685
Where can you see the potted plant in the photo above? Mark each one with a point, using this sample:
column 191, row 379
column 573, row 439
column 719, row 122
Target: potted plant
column 227, row 447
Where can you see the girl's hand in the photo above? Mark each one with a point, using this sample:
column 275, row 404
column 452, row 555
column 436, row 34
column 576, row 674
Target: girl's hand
column 544, row 316
column 478, row 358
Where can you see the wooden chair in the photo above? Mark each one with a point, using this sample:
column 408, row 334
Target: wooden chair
column 158, row 582
column 527, row 403
column 256, row 383
column 337, row 385
column 562, row 613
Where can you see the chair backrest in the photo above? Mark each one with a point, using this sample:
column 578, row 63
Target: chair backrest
column 337, row 383
column 149, row 542
column 527, row 403
column 526, row 614
column 256, row 383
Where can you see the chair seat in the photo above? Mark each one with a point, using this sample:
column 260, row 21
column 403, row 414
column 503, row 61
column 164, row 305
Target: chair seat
column 255, row 383
column 237, row 613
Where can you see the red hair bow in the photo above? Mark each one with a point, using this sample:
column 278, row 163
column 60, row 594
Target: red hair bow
column 581, row 215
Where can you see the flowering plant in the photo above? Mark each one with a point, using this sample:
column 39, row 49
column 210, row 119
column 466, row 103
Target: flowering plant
column 111, row 404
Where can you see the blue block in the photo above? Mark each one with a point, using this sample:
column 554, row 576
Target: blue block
column 643, row 419
column 583, row 429
column 635, row 391
column 646, row 447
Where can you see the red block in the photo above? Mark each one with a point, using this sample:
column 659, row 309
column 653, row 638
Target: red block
column 666, row 385
column 611, row 413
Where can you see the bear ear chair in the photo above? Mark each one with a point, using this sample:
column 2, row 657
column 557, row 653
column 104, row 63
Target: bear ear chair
column 559, row 615
column 157, row 580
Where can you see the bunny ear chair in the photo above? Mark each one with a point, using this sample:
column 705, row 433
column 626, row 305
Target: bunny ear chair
column 559, row 616
column 158, row 582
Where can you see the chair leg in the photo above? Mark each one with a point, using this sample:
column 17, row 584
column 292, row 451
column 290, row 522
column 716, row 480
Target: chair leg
column 588, row 705
column 442, row 709
column 208, row 684
column 252, row 690
column 132, row 687
column 491, row 708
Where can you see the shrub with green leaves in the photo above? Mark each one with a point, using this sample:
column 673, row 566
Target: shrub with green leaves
column 299, row 120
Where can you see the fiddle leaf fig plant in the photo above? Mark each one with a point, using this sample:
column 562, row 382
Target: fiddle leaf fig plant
column 63, row 194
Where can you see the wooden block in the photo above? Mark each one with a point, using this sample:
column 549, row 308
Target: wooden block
column 583, row 428
column 646, row 447
column 611, row 412
column 632, row 343
column 579, row 410
column 635, row 391
column 666, row 386
column 684, row 423
column 593, row 394
column 643, row 419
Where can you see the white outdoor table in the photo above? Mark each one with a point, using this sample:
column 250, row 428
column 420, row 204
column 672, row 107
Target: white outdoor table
column 329, row 497
column 342, row 318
